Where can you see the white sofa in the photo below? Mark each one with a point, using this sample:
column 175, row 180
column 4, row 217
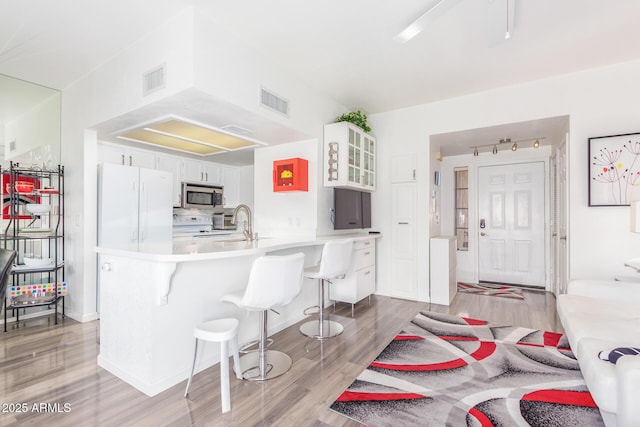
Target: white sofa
column 597, row 316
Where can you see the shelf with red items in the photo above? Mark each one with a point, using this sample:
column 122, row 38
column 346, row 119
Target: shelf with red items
column 291, row 175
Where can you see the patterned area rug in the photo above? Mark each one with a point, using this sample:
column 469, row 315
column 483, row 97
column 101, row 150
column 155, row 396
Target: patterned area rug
column 443, row 370
column 491, row 289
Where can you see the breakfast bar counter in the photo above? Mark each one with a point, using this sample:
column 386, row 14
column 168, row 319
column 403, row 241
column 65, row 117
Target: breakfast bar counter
column 149, row 302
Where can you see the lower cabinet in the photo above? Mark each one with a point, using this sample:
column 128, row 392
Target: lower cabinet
column 360, row 280
column 443, row 269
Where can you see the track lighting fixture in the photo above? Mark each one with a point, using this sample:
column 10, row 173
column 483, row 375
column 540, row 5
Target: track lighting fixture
column 505, row 141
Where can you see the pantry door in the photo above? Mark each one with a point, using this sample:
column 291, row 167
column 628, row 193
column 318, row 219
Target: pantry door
column 511, row 212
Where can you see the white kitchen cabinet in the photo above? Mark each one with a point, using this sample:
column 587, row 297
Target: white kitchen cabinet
column 172, row 164
column 442, row 266
column 404, row 231
column 349, row 157
column 403, row 168
column 229, row 178
column 126, row 156
column 360, row 280
column 135, row 209
column 202, row 172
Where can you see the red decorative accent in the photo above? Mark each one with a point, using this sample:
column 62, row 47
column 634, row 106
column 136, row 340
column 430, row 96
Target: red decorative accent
column 407, row 337
column 474, row 322
column 487, row 348
column 291, row 175
column 348, row 396
column 456, row 363
column 21, row 198
column 551, row 339
column 563, row 397
column 481, row 417
column 457, row 338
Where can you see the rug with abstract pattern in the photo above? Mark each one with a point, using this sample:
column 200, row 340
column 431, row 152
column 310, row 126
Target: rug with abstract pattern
column 491, row 289
column 443, row 370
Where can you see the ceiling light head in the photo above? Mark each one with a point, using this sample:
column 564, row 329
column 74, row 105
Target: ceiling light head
column 536, row 144
column 514, row 147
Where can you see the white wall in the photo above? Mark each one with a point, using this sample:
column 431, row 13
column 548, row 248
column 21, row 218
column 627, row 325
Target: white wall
column 35, row 129
column 285, row 213
column 599, row 102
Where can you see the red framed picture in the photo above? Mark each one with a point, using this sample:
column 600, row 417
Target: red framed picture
column 23, row 197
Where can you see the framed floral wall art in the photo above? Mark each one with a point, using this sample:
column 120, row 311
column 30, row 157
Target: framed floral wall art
column 614, row 170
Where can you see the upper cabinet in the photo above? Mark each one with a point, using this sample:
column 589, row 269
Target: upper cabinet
column 182, row 169
column 349, row 157
column 173, row 164
column 199, row 171
column 126, row 156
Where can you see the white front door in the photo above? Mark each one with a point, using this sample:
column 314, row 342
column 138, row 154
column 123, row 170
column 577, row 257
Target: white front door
column 511, row 207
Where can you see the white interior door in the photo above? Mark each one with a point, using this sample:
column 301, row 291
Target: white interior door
column 511, row 207
column 404, row 241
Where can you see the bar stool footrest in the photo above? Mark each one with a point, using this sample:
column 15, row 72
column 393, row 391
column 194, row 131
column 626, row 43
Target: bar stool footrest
column 246, row 348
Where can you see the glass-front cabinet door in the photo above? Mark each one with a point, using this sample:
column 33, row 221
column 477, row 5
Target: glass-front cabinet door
column 349, row 157
column 354, row 157
column 369, row 160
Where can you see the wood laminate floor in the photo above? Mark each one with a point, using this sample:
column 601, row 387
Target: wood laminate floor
column 49, row 375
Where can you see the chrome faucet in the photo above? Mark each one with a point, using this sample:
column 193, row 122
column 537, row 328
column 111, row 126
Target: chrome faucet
column 248, row 229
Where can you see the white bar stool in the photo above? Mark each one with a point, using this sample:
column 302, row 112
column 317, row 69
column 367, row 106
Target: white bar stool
column 274, row 281
column 223, row 331
column 334, row 263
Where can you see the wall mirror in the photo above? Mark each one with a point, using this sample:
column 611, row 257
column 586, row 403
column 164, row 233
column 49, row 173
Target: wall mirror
column 29, row 124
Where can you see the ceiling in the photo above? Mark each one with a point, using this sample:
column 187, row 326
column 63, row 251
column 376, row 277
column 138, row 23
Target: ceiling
column 343, row 49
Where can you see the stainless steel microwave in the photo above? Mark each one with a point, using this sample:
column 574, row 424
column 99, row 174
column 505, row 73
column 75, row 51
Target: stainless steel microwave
column 201, row 196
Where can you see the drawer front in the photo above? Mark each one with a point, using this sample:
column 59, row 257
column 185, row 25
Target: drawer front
column 365, row 257
column 366, row 282
column 364, row 244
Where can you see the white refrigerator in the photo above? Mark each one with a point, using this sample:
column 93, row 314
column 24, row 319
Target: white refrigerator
column 135, row 208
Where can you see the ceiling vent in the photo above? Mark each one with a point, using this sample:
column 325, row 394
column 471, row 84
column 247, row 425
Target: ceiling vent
column 274, row 102
column 236, row 130
column 153, row 80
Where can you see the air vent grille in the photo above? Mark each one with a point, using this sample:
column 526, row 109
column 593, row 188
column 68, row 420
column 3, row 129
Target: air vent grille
column 274, row 102
column 153, row 80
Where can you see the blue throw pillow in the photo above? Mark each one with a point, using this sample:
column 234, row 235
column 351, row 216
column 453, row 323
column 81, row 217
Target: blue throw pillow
column 615, row 354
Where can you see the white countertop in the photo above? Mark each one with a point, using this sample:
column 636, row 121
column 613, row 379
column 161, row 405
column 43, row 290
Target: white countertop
column 197, row 249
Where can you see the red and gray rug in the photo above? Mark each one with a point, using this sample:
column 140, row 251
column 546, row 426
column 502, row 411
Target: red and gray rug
column 443, row 370
column 491, row 289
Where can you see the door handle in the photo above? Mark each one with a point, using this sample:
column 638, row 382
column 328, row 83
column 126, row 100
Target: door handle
column 563, row 238
column 483, row 234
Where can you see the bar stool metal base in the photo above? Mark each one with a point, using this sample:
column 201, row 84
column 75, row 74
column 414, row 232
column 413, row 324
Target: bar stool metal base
column 276, row 364
column 321, row 329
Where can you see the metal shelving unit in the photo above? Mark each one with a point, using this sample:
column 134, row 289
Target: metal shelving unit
column 37, row 237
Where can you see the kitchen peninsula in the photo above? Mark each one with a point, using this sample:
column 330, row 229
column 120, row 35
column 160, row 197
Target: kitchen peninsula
column 150, row 302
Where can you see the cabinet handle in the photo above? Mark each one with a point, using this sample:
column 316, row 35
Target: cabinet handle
column 130, row 161
column 367, row 253
column 403, row 223
column 122, row 159
column 367, row 272
column 414, row 174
